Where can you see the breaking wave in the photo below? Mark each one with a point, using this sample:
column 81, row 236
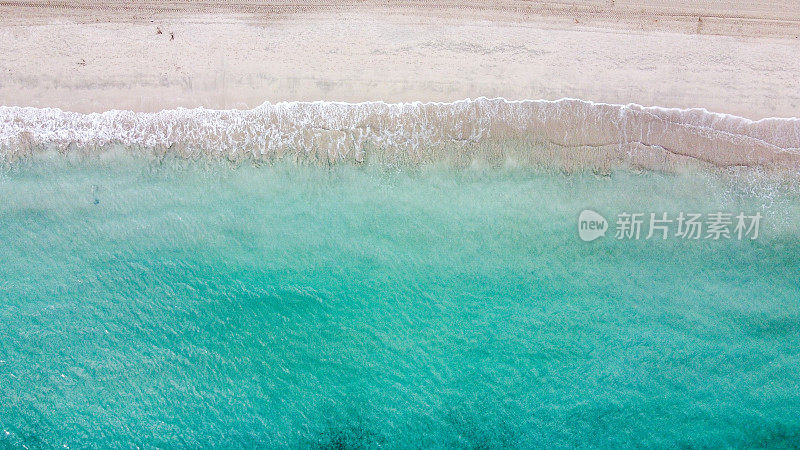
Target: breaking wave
column 569, row 132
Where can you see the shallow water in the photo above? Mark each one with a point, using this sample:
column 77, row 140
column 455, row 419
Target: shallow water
column 566, row 133
column 181, row 303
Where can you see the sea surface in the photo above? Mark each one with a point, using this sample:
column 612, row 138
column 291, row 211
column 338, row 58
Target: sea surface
column 164, row 302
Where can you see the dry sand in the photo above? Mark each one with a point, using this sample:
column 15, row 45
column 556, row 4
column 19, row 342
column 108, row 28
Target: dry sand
column 93, row 56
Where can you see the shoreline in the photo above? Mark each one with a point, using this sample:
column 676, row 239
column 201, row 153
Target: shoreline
column 700, row 110
column 570, row 133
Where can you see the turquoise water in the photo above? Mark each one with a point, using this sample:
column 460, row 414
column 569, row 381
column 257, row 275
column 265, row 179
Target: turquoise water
column 194, row 304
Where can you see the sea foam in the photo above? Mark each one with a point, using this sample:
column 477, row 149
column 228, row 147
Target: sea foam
column 574, row 132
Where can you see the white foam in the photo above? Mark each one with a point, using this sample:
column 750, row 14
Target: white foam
column 336, row 131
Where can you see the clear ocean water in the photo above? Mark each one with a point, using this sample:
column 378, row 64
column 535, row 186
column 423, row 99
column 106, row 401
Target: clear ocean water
column 193, row 303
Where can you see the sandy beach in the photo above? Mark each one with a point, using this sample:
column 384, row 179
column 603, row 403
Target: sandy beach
column 144, row 56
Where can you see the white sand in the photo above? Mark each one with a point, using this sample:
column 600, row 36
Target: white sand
column 95, row 56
